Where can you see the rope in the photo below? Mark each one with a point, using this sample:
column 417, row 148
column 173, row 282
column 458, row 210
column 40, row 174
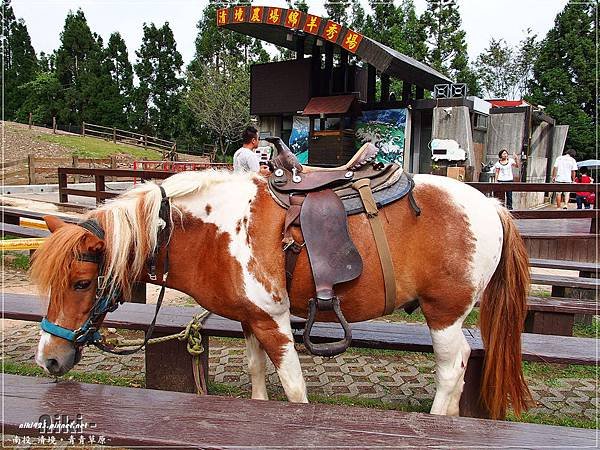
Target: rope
column 192, row 335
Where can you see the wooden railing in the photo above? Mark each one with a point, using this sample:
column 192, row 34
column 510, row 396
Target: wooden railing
column 38, row 169
column 167, row 148
column 500, row 188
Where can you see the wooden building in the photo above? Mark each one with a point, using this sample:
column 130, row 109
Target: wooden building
column 336, row 64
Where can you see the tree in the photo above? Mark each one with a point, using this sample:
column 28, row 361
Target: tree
column 564, row 77
column 158, row 69
column 220, row 100
column 120, row 69
column 41, row 97
column 214, row 44
column 497, row 71
column 527, row 54
column 447, row 45
column 20, row 62
column 337, row 10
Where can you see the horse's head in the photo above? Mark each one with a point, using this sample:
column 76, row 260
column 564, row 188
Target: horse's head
column 66, row 267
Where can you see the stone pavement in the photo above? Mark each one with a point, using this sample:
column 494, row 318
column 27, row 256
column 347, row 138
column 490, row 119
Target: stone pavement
column 403, row 378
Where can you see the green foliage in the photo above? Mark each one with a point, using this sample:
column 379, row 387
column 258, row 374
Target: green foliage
column 158, row 68
column 564, row 75
column 504, row 71
column 17, row 260
column 220, row 101
column 89, row 147
column 447, row 45
column 337, row 10
column 590, row 331
column 20, row 62
column 42, row 97
column 121, row 71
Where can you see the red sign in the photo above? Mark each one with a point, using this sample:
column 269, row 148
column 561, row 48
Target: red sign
column 352, row 41
column 256, row 13
column 274, row 16
column 312, row 24
column 222, row 16
column 293, row 19
column 239, row 14
column 331, row 31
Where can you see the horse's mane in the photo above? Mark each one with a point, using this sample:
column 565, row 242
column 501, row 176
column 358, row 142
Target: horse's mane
column 131, row 224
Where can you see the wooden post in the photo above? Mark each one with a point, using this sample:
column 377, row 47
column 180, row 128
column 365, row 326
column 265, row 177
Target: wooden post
column 83, row 129
column 138, row 293
column 31, row 164
column 470, row 401
column 406, row 91
column 385, row 87
column 100, row 187
column 544, row 322
column 54, row 124
column 169, row 365
column 63, row 197
column 419, row 93
column 76, row 178
column 371, row 83
column 114, row 135
column 145, row 137
column 30, row 120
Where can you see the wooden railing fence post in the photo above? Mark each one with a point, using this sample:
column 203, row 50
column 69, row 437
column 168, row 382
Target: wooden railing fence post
column 30, row 120
column 31, row 165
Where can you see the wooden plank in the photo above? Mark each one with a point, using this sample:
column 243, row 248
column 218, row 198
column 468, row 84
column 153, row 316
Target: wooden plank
column 382, row 335
column 555, row 214
column 216, row 422
column 86, row 193
column 535, row 187
column 16, row 230
column 21, row 244
column 17, row 173
column 564, row 281
column 16, row 214
column 52, row 159
column 18, row 162
column 562, row 305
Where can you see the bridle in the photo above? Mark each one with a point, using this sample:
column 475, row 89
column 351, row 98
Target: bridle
column 108, row 299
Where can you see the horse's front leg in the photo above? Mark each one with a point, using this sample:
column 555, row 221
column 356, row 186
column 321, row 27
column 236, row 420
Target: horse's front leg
column 275, row 336
column 257, row 365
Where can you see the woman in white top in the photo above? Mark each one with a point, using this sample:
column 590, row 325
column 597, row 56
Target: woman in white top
column 504, row 172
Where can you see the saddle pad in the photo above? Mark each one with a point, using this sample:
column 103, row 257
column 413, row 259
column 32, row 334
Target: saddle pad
column 333, row 256
column 394, row 189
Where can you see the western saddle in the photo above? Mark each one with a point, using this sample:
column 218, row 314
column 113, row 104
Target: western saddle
column 318, row 200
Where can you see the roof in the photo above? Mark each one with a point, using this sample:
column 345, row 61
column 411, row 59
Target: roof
column 501, row 103
column 284, row 27
column 334, row 105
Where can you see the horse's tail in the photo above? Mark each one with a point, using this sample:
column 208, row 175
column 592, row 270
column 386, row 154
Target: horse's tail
column 502, row 315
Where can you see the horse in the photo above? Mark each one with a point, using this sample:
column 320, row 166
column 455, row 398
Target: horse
column 222, row 238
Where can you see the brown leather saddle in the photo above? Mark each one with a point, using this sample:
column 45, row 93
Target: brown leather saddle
column 318, row 200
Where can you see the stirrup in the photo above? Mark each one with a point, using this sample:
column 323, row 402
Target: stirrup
column 328, row 348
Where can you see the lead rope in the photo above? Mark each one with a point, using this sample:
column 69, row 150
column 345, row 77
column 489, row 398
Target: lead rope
column 192, row 335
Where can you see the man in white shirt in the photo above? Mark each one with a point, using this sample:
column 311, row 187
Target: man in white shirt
column 245, row 159
column 564, row 171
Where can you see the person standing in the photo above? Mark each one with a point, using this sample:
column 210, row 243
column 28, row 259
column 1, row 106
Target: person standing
column 504, row 172
column 583, row 198
column 564, row 171
column 245, row 159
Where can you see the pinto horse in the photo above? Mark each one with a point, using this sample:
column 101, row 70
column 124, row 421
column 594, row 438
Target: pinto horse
column 224, row 241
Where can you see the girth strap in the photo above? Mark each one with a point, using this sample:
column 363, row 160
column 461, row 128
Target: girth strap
column 363, row 186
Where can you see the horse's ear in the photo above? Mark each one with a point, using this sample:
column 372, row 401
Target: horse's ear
column 54, row 223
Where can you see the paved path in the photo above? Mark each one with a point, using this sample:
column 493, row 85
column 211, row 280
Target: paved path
column 404, row 378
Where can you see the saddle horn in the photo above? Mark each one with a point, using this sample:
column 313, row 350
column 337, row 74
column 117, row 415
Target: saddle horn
column 285, row 157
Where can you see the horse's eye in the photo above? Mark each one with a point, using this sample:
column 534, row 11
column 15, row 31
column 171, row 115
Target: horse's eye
column 82, row 285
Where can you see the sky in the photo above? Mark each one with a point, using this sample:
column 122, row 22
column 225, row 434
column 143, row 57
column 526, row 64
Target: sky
column 481, row 19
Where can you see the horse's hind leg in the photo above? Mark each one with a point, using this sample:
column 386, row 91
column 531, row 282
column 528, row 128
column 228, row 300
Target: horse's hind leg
column 257, row 365
column 275, row 336
column 451, row 352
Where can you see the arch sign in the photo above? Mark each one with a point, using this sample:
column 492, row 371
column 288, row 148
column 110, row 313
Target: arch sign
column 292, row 20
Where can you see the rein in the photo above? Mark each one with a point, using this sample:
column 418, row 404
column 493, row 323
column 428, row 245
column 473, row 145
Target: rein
column 109, row 301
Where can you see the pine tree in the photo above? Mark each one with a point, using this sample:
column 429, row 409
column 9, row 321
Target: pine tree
column 447, row 45
column 20, row 62
column 497, row 70
column 89, row 94
column 159, row 72
column 121, row 71
column 337, row 10
column 214, row 44
column 564, row 75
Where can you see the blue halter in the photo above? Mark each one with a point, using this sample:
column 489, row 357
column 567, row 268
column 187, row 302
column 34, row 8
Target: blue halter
column 88, row 333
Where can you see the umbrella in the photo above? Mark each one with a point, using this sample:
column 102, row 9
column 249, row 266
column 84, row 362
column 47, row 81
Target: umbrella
column 589, row 163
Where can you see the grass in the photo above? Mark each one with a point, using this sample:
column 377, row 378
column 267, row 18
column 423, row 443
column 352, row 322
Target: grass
column 552, row 372
column 417, row 317
column 589, row 331
column 89, row 147
column 16, row 260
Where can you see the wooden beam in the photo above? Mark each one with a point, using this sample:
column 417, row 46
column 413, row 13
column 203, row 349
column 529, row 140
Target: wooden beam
column 371, row 82
column 406, row 91
column 385, row 87
column 420, row 93
column 300, row 47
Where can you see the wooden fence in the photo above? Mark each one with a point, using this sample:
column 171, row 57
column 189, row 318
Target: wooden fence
column 39, row 170
column 167, row 148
